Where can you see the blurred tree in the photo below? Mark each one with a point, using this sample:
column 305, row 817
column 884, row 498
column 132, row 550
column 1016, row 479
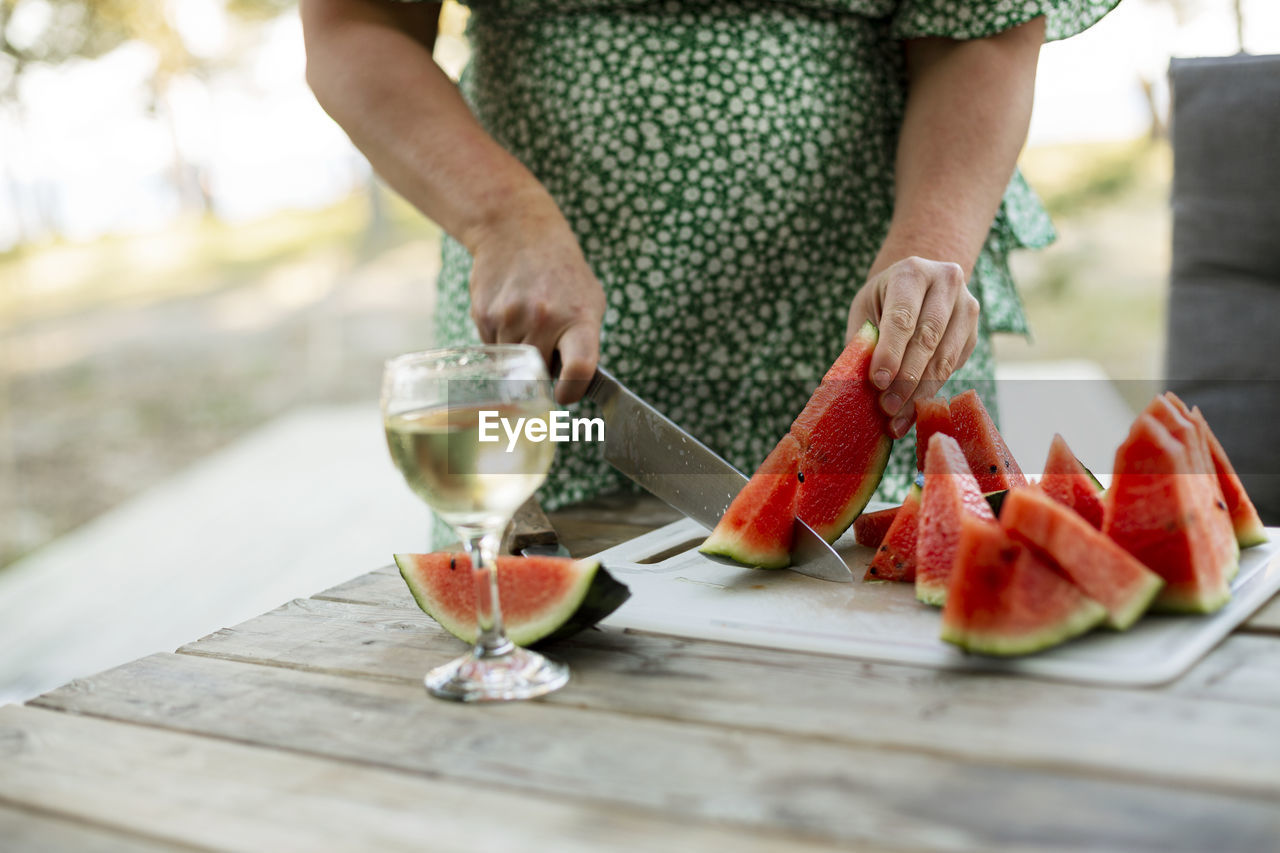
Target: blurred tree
column 42, row 32
column 1185, row 13
column 50, row 32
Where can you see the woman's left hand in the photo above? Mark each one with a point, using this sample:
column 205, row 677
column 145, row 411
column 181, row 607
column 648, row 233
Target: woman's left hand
column 928, row 323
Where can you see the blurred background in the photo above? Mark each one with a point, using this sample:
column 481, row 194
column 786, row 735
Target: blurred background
column 190, row 248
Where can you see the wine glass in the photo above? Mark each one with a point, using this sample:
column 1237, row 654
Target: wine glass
column 436, row 407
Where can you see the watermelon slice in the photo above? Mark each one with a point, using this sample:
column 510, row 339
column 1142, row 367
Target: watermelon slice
column 1070, row 483
column 950, row 493
column 869, row 529
column 895, row 559
column 1248, row 525
column 1004, row 600
column 1201, row 469
column 542, row 598
column 932, row 415
column 989, row 457
column 1102, row 569
column 844, row 439
column 759, row 526
column 1170, row 520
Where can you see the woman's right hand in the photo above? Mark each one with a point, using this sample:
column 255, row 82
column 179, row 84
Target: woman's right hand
column 531, row 284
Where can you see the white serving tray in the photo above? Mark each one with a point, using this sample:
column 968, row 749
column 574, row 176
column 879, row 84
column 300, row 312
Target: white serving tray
column 689, row 595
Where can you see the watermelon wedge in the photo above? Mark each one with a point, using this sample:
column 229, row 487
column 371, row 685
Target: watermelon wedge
column 1102, row 569
column 1004, row 600
column 542, row 598
column 759, row 526
column 950, row 494
column 1248, row 525
column 895, row 558
column 1167, row 518
column 1201, row 469
column 844, row 441
column 989, row 457
column 932, row 415
column 1070, row 483
column 869, row 529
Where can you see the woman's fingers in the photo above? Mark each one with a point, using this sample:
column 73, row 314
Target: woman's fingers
column 931, row 327
column 945, row 285
column 903, row 287
column 928, row 324
column 953, row 350
column 579, row 349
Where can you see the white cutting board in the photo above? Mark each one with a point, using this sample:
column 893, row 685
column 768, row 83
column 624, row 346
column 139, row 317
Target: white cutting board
column 689, row 595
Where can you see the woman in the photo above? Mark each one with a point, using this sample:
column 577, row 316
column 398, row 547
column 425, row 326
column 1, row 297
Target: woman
column 710, row 197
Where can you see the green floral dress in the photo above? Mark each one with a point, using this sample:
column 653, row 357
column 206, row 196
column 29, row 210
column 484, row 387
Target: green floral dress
column 727, row 166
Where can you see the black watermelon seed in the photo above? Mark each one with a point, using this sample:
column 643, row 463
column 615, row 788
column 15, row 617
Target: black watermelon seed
column 453, row 563
column 995, row 468
column 800, row 476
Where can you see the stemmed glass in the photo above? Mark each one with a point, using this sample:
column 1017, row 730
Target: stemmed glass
column 433, row 405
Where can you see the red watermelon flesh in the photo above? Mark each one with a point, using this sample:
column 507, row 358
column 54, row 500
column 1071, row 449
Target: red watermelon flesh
column 1161, row 514
column 869, row 529
column 1005, row 600
column 759, row 526
column 1102, row 569
column 542, row 598
column 984, row 447
column 1248, row 524
column 895, row 559
column 950, row 494
column 932, row 415
column 1070, row 483
column 1185, row 432
column 844, row 441
column 1201, row 469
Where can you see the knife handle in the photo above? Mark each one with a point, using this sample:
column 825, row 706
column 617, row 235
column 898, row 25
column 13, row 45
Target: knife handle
column 529, row 526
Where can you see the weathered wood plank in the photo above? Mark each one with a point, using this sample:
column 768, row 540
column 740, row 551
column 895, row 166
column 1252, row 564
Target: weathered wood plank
column 1245, row 668
column 1253, row 660
column 815, row 786
column 200, row 791
column 1191, row 737
column 26, row 831
column 1266, row 620
column 381, row 587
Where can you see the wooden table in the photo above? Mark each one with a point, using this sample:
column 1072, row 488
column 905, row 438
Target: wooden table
column 308, row 729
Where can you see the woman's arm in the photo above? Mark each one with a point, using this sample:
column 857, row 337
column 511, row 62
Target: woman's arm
column 968, row 107
column 369, row 64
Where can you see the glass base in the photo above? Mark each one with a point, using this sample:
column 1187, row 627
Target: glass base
column 518, row 674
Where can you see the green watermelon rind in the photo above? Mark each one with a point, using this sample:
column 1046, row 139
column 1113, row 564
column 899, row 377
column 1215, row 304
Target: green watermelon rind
column 594, row 595
column 735, row 548
column 1250, row 534
column 1171, row 599
column 995, row 500
column 1141, row 601
column 1096, row 483
column 935, row 595
column 1084, row 618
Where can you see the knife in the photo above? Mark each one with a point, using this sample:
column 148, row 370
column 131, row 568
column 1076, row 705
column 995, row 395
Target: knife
column 649, row 448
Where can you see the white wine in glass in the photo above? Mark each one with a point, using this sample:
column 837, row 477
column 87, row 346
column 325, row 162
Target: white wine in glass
column 432, row 405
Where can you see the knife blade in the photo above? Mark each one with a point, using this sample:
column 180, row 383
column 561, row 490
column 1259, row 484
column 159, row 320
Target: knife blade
column 653, row 451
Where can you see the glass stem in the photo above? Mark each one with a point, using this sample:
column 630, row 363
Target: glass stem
column 482, row 548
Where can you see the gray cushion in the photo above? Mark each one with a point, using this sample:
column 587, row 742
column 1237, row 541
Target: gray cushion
column 1223, row 349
